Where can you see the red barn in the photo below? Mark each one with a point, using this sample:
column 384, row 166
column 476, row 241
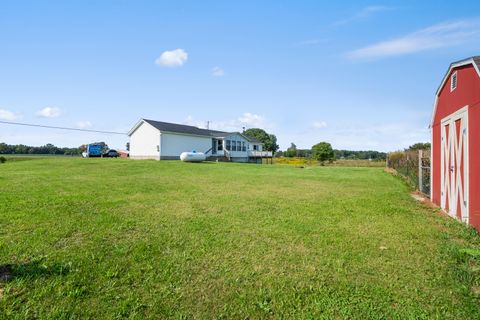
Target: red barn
column 455, row 184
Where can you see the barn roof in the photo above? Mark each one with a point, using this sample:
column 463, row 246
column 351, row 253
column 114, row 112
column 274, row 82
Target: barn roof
column 474, row 61
column 186, row 129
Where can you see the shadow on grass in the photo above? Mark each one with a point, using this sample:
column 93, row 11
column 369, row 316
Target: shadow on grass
column 31, row 270
column 200, row 162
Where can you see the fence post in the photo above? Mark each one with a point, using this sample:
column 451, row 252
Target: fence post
column 407, row 165
column 420, row 171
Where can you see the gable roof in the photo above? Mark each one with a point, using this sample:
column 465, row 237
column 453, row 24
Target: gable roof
column 189, row 130
column 474, row 61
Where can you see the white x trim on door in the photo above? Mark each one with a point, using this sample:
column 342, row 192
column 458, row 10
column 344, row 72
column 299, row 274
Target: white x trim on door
column 454, row 164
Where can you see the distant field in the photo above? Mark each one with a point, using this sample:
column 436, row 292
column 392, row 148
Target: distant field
column 117, row 238
column 337, row 163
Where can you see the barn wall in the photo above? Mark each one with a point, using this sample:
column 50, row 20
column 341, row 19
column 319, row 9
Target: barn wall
column 436, row 156
column 172, row 145
column 144, row 142
column 467, row 93
column 474, row 165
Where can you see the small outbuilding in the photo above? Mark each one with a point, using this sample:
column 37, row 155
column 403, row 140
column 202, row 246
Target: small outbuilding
column 455, row 127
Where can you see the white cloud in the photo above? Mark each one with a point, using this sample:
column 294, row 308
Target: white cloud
column 319, row 124
column 362, row 14
column 83, row 124
column 50, row 112
column 248, row 120
column 437, row 36
column 252, row 120
column 218, row 72
column 370, row 10
column 174, row 58
column 191, row 121
column 8, row 115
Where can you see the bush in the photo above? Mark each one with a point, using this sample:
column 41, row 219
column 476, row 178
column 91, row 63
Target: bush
column 3, row 159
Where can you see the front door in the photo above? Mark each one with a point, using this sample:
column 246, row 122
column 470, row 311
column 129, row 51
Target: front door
column 454, row 164
column 214, row 146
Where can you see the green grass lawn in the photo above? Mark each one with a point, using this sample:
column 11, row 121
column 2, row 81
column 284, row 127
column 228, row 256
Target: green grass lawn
column 117, row 238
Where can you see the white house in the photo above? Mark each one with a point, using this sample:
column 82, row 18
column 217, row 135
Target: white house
column 151, row 139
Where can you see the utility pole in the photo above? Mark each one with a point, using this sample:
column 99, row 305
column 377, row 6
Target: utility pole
column 208, row 124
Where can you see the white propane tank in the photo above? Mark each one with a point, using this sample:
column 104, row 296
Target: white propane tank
column 193, row 156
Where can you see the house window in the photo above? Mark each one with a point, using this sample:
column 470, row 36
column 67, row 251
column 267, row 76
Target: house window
column 244, row 147
column 255, row 147
column 453, row 82
column 228, row 145
column 234, row 145
column 219, row 145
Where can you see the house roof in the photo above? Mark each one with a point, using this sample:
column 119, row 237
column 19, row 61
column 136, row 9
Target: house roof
column 182, row 128
column 186, row 129
column 474, row 61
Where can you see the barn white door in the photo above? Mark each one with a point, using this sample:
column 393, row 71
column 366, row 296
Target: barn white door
column 454, row 164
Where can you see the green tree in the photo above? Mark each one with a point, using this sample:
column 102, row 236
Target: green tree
column 269, row 140
column 5, row 148
column 323, row 152
column 420, row 146
column 291, row 151
column 21, row 149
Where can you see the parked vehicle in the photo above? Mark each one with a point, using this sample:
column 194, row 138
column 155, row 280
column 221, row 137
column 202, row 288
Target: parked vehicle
column 92, row 150
column 111, row 154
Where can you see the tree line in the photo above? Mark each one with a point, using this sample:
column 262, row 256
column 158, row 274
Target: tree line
column 46, row 149
column 293, row 151
column 322, row 151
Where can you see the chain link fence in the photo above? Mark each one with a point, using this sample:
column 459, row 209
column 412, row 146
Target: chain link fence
column 414, row 166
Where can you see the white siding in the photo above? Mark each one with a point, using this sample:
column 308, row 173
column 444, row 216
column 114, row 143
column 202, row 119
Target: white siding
column 174, row 144
column 144, row 142
column 259, row 146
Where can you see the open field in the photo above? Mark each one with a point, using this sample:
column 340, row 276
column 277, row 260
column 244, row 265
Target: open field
column 115, row 238
column 24, row 157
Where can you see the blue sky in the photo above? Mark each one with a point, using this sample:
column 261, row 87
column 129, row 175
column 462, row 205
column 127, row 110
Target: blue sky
column 361, row 75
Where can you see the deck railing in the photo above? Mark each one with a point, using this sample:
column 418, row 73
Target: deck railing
column 227, row 154
column 259, row 154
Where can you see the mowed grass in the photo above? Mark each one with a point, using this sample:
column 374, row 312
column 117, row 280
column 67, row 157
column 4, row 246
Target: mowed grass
column 117, row 238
